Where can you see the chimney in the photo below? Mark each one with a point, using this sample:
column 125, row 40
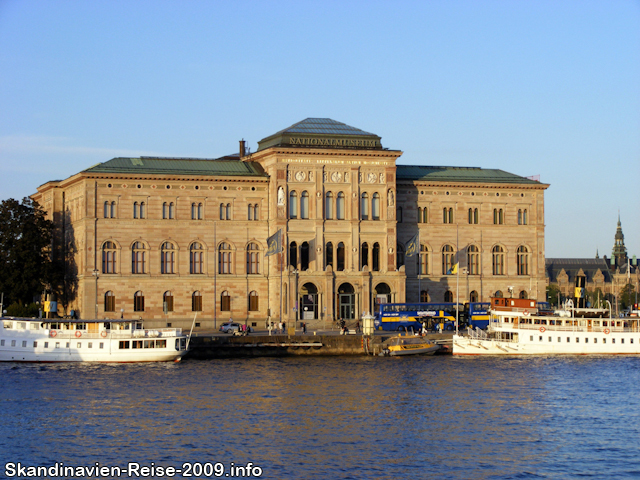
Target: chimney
column 241, row 148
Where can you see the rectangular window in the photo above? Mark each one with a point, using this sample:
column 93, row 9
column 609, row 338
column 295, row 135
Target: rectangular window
column 577, row 340
column 622, row 340
column 531, row 338
column 549, row 338
column 586, row 340
column 57, row 344
column 149, row 344
column 79, row 344
column 540, row 338
column 101, row 345
column 136, row 344
column 613, row 340
column 68, row 345
column 161, row 344
column 1, row 343
column 631, row 340
column 595, row 340
column 123, row 344
column 90, row 345
column 35, row 344
column 604, row 340
column 24, row 343
column 568, row 339
column 46, row 344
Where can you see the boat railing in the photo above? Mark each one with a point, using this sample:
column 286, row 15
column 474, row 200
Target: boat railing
column 476, row 333
column 139, row 333
column 563, row 328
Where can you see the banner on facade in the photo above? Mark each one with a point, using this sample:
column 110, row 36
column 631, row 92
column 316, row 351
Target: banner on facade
column 412, row 247
column 274, row 243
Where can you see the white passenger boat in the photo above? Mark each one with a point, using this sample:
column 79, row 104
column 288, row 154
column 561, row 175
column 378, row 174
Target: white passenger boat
column 570, row 332
column 38, row 340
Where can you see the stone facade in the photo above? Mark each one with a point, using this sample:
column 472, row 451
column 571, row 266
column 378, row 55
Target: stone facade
column 169, row 239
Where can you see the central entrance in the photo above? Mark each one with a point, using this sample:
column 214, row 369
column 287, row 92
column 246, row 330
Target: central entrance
column 309, row 302
column 346, row 302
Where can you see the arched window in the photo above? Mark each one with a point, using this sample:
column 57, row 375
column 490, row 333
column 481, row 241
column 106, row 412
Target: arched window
column 194, row 211
column 225, row 302
column 253, row 259
column 498, row 294
column 519, row 216
column 399, row 255
column 171, row 212
column 424, row 296
column 448, row 296
column 473, row 216
column 447, row 259
column 167, row 258
column 293, row 204
column 525, row 219
column 200, row 211
column 498, row 216
column 138, row 258
column 228, row 211
column 138, row 302
column 447, row 215
column 375, row 207
column 304, row 205
column 523, row 260
column 224, row 258
column 473, row 296
column 165, row 210
column 424, row 260
column 340, row 206
column 250, row 212
column 473, row 259
column 328, row 206
column 143, row 210
column 223, row 211
column 109, row 257
column 253, row 301
column 328, row 255
column 364, row 255
column 364, row 206
column 196, row 258
column 523, row 294
column 304, row 256
column 293, row 254
column 167, row 301
column 109, row 302
column 340, row 257
column 422, row 214
column 135, row 209
column 375, row 260
column 109, row 209
column 196, row 301
column 498, row 260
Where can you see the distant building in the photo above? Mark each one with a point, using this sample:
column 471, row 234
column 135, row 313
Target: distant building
column 169, row 238
column 604, row 278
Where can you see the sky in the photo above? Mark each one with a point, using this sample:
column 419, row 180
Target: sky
column 548, row 88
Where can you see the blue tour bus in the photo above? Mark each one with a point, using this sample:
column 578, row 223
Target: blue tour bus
column 411, row 316
column 477, row 314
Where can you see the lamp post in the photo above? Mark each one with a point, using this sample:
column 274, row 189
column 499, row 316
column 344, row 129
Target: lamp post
column 95, row 274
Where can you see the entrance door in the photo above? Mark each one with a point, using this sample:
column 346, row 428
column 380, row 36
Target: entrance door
column 347, row 306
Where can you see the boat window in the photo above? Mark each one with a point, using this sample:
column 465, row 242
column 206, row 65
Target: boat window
column 81, row 326
column 577, row 340
column 161, row 343
column 46, row 344
column 586, row 340
column 13, row 343
column 595, row 340
column 604, row 340
column 34, row 326
column 136, row 344
column 79, row 344
column 149, row 344
column 123, row 344
column 8, row 324
column 24, row 343
column 568, row 339
column 101, row 345
column 540, row 338
column 67, row 345
column 531, row 338
column 22, row 325
column 35, row 344
column 631, row 340
column 1, row 343
column 57, row 344
column 90, row 345
column 559, row 339
column 549, row 338
column 613, row 340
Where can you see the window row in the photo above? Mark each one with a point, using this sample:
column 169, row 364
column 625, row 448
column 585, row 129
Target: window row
column 168, row 211
column 334, row 206
column 168, row 258
column 473, row 216
column 523, row 259
column 168, row 303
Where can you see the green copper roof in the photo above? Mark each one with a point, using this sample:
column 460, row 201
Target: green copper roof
column 321, row 133
column 459, row 174
column 178, row 166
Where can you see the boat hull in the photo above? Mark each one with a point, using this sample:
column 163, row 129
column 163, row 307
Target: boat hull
column 410, row 350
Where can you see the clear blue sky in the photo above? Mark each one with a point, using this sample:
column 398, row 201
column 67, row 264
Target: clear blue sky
column 549, row 88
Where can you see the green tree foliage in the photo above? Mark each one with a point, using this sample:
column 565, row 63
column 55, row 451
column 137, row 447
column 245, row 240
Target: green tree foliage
column 552, row 294
column 627, row 296
column 25, row 240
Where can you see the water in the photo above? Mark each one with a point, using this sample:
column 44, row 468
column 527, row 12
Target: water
column 333, row 418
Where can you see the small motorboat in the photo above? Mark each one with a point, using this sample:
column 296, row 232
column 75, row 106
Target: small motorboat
column 410, row 345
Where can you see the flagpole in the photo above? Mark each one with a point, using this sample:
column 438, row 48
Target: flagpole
column 457, row 277
column 419, row 266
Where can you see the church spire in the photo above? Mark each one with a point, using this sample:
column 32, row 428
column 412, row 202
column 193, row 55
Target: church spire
column 619, row 250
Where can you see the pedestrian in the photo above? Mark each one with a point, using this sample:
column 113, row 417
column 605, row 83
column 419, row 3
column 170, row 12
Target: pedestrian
column 304, row 328
column 358, row 326
column 280, row 328
column 269, row 327
column 284, row 327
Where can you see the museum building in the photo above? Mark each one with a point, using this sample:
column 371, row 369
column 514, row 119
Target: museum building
column 167, row 239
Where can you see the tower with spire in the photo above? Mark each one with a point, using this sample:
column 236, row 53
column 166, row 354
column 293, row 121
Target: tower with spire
column 619, row 253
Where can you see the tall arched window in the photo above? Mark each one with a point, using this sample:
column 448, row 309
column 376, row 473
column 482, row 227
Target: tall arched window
column 138, row 258
column 196, row 301
column 328, row 254
column 422, row 214
column 328, row 206
column 223, row 211
column 293, row 254
column 525, row 217
column 448, row 296
column 253, row 301
column 473, row 259
column 340, row 207
column 524, row 294
column 364, row 206
column 135, row 209
column 375, row 257
column 196, row 258
column 293, row 204
column 165, row 210
column 375, row 207
column 253, row 259
column 399, row 255
column 473, row 296
column 304, row 256
column 447, row 215
column 167, row 301
column 498, row 260
column 364, row 255
column 498, row 216
column 250, row 212
column 340, row 257
column 304, row 205
column 200, row 211
column 143, row 210
column 522, row 216
column 447, row 259
column 424, row 260
column 424, row 296
column 138, row 302
column 109, row 302
column 167, row 258
column 473, row 216
column 523, row 260
column 109, row 257
column 224, row 258
column 228, row 211
column 225, row 302
column 109, row 209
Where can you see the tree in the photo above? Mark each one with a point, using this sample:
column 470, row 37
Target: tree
column 627, row 295
column 25, row 241
column 552, row 294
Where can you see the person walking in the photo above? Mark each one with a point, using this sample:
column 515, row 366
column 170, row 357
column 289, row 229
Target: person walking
column 304, row 328
column 280, row 328
column 269, row 327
